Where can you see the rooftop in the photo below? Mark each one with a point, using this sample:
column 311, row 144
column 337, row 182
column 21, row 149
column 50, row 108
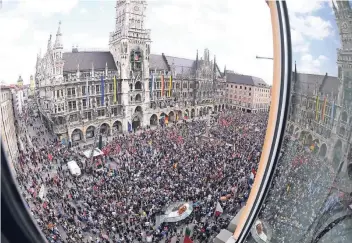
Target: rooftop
column 245, row 79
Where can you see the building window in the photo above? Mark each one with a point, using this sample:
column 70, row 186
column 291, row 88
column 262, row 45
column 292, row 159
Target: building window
column 110, row 87
column 240, row 87
column 250, row 88
column 73, row 117
column 101, row 113
column 97, row 89
column 231, row 86
column 84, row 102
column 245, row 88
column 114, row 111
column 72, row 105
column 88, row 115
column 71, row 92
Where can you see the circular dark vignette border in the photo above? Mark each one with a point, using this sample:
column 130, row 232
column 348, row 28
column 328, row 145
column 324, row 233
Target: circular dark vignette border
column 17, row 224
column 281, row 119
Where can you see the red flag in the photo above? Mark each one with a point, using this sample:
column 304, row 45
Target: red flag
column 187, row 239
column 50, row 157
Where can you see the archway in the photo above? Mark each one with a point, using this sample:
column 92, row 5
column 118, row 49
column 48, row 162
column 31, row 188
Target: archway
column 154, row 120
column 200, row 112
column 90, row 132
column 186, row 114
column 136, row 122
column 138, row 98
column 309, row 140
column 337, row 155
column 210, row 110
column 178, row 115
column 117, row 126
column 223, row 106
column 138, row 109
column 314, row 146
column 323, row 149
column 216, row 108
column 193, row 113
column 138, row 85
column 171, row 116
column 77, row 135
column 105, row 129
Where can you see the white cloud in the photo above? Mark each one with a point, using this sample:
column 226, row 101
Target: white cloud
column 83, row 11
column 313, row 27
column 309, row 64
column 304, row 6
column 307, row 26
column 323, row 58
column 217, row 26
column 179, row 28
column 47, row 7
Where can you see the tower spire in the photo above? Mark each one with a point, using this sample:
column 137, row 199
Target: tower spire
column 197, row 60
column 58, row 41
column 49, row 43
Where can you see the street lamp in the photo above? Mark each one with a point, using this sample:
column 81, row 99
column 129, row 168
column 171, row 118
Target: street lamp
column 268, row 58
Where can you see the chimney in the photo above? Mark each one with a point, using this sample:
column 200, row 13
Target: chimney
column 74, row 49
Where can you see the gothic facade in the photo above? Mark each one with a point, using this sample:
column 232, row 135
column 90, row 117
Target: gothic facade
column 124, row 87
column 321, row 105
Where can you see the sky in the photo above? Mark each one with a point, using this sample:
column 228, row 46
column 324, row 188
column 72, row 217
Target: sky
column 235, row 31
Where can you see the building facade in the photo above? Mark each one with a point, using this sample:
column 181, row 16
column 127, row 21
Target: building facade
column 321, row 105
column 124, row 87
column 20, row 99
column 247, row 93
column 8, row 129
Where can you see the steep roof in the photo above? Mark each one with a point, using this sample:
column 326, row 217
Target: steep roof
column 100, row 58
column 245, row 79
column 308, row 83
column 181, row 65
column 157, row 62
column 85, row 60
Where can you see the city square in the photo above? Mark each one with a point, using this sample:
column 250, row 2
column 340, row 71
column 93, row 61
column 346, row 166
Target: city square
column 135, row 142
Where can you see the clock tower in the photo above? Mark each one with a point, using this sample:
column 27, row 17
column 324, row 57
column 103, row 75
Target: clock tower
column 130, row 46
column 343, row 14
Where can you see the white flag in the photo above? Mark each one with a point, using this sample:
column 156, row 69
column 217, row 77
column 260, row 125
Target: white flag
column 218, row 209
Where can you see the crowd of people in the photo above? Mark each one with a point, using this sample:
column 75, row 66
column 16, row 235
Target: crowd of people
column 143, row 173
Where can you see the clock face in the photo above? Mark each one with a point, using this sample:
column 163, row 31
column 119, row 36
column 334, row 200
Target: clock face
column 344, row 26
column 136, row 8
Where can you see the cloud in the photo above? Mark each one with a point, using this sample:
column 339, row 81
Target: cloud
column 178, row 28
column 307, row 26
column 218, row 26
column 47, row 7
column 312, row 27
column 309, row 64
column 304, row 6
column 83, row 11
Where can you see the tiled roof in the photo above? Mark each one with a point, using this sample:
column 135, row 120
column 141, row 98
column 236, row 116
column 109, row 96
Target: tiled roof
column 157, row 62
column 85, row 60
column 181, row 65
column 239, row 79
column 245, row 79
column 309, row 83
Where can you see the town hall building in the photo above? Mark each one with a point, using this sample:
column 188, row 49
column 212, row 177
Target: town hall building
column 124, row 87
